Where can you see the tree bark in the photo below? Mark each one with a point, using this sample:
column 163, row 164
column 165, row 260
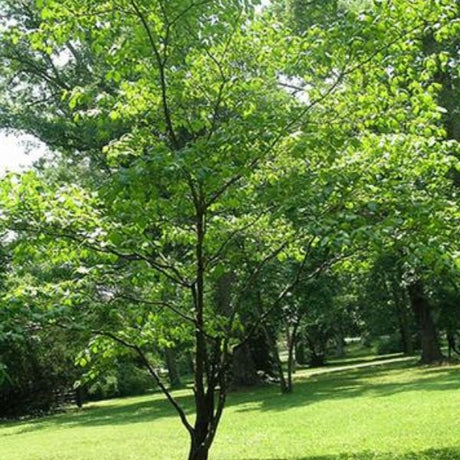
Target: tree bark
column 243, row 367
column 291, row 358
column 271, row 342
column 171, row 365
column 431, row 351
column 204, row 398
column 404, row 328
column 198, row 451
column 403, row 317
column 278, row 364
column 300, row 352
column 340, row 345
column 199, row 448
column 451, row 344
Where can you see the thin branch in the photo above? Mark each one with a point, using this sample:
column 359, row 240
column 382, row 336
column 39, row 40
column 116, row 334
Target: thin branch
column 161, row 68
column 233, row 234
column 153, row 373
column 132, row 256
column 157, row 303
column 342, row 74
column 184, row 12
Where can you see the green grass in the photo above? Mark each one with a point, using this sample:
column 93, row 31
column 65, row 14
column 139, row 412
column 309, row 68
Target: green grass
column 391, row 411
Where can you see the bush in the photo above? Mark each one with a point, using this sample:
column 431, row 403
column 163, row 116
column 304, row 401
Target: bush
column 125, row 379
column 134, row 381
column 34, row 370
column 389, row 344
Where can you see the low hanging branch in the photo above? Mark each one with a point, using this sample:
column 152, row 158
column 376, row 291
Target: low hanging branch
column 152, row 372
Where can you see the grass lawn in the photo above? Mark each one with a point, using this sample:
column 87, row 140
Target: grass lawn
column 389, row 411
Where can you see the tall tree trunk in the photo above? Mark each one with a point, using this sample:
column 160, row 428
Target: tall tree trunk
column 291, row 337
column 199, row 448
column 171, row 365
column 340, row 344
column 403, row 317
column 291, row 359
column 204, row 398
column 271, row 341
column 451, row 344
column 261, row 353
column 404, row 328
column 278, row 364
column 243, row 367
column 317, row 339
column 431, row 351
column 300, row 351
column 190, row 362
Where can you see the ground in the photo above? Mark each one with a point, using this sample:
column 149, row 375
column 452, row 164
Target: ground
column 391, row 410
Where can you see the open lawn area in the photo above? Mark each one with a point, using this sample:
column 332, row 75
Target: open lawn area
column 390, row 411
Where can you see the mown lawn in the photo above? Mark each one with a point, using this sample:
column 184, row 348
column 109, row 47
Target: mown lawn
column 391, row 411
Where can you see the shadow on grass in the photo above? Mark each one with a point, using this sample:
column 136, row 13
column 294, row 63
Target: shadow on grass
column 365, row 359
column 350, row 384
column 452, row 453
column 117, row 413
column 310, row 390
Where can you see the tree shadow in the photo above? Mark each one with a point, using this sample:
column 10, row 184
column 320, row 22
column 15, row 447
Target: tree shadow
column 365, row 359
column 307, row 390
column 450, row 453
column 109, row 413
column 350, row 384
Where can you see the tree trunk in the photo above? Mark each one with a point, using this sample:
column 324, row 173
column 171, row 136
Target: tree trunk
column 171, row 364
column 291, row 341
column 403, row 317
column 79, row 397
column 278, row 364
column 431, row 352
column 261, row 353
column 404, row 328
column 300, row 352
column 198, row 451
column 340, row 345
column 451, row 343
column 291, row 360
column 199, row 448
column 204, row 397
column 243, row 367
column 190, row 363
column 317, row 343
column 271, row 341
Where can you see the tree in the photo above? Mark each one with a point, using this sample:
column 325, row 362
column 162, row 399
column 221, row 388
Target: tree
column 188, row 177
column 205, row 163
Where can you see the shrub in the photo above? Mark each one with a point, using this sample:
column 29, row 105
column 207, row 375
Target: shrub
column 389, row 344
